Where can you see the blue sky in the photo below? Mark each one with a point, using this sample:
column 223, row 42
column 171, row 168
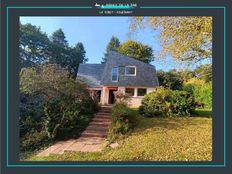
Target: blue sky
column 95, row 33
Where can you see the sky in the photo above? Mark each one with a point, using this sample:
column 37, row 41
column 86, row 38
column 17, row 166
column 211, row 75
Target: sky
column 95, row 33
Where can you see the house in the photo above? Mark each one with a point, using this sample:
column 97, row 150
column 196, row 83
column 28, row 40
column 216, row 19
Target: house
column 119, row 73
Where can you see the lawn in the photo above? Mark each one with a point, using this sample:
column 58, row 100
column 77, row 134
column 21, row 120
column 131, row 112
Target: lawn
column 156, row 139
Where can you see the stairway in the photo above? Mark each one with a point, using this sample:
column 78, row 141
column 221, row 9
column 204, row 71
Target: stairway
column 90, row 140
column 99, row 125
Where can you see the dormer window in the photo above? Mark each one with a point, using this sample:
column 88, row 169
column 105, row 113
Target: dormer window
column 114, row 74
column 130, row 70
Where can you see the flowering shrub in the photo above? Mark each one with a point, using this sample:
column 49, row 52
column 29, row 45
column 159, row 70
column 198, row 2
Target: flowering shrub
column 122, row 121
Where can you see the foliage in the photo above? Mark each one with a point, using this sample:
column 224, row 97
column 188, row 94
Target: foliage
column 186, row 74
column 58, row 38
column 185, row 38
column 30, row 106
column 66, row 113
column 33, row 140
column 76, row 56
column 204, row 72
column 136, row 50
column 171, row 80
column 36, row 48
column 27, row 124
column 165, row 102
column 52, row 103
column 154, row 139
column 33, row 45
column 113, row 45
column 64, row 55
column 201, row 90
column 46, row 80
column 122, row 121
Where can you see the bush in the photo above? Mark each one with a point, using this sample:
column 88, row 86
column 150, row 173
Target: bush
column 33, row 140
column 31, row 105
column 52, row 103
column 28, row 123
column 201, row 91
column 165, row 102
column 122, row 121
column 66, row 113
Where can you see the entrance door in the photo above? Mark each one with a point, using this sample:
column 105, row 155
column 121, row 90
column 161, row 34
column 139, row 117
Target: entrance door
column 111, row 96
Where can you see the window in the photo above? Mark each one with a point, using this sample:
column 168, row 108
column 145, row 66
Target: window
column 130, row 91
column 130, row 70
column 141, row 91
column 114, row 74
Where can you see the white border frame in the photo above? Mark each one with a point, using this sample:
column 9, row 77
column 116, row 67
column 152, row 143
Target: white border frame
column 117, row 74
column 130, row 74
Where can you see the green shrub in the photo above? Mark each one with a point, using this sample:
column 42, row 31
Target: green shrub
column 122, row 121
column 182, row 103
column 33, row 140
column 28, row 123
column 165, row 102
column 65, row 102
column 66, row 113
column 31, row 104
column 201, row 91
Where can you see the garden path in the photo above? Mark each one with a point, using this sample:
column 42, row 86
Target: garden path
column 91, row 140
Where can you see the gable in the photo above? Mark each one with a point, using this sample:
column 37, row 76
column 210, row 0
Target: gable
column 145, row 73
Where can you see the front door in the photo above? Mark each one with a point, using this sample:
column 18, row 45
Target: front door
column 111, row 96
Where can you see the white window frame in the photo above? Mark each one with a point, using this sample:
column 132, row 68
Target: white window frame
column 112, row 74
column 130, row 74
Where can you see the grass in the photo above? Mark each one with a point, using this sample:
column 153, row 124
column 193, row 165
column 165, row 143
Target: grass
column 155, row 139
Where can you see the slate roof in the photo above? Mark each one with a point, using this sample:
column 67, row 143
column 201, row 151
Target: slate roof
column 91, row 74
column 97, row 75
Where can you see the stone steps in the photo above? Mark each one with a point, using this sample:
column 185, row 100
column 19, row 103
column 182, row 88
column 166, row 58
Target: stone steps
column 99, row 125
column 90, row 140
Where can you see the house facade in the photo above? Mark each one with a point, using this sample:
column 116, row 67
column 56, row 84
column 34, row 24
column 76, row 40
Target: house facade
column 119, row 73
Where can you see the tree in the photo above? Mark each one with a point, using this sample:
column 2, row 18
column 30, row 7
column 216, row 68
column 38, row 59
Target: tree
column 171, row 80
column 58, row 38
column 185, row 38
column 77, row 56
column 136, row 50
column 204, row 72
column 186, row 74
column 112, row 46
column 64, row 55
column 33, row 45
column 59, row 50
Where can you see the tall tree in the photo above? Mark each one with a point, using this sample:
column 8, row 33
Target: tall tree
column 33, row 45
column 58, row 37
column 59, row 49
column 80, row 48
column 112, row 46
column 77, row 56
column 185, row 38
column 136, row 50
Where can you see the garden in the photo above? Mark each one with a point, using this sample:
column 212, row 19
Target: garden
column 173, row 123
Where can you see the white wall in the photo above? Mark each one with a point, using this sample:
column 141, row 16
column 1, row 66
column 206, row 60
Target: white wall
column 135, row 101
